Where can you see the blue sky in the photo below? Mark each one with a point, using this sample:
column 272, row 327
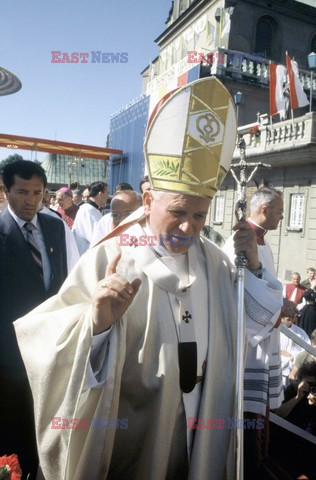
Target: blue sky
column 73, row 102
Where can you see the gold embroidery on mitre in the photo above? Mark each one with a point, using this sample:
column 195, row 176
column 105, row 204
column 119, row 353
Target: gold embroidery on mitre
column 208, row 127
column 165, row 168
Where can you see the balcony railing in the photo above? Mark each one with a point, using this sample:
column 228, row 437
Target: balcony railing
column 252, row 68
column 283, row 135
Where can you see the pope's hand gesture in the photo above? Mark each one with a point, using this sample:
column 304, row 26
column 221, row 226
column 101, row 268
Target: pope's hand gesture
column 113, row 296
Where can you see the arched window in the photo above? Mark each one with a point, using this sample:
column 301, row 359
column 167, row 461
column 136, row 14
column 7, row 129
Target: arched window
column 267, row 38
column 313, row 45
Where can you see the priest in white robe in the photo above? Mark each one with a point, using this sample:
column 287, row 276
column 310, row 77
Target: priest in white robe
column 143, row 332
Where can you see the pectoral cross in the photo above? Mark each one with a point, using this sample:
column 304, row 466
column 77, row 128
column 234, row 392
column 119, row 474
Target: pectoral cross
column 186, row 317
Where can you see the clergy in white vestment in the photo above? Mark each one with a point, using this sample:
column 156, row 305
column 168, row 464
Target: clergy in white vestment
column 88, row 215
column 71, row 246
column 263, row 376
column 263, row 389
column 132, row 364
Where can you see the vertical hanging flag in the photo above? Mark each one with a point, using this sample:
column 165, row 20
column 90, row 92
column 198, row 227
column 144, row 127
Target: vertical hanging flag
column 298, row 97
column 210, row 35
column 225, row 27
column 277, row 100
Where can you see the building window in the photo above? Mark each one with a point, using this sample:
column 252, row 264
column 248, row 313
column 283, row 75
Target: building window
column 219, row 209
column 297, row 205
column 267, row 35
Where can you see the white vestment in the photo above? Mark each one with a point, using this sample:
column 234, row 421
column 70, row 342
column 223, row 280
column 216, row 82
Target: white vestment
column 86, row 219
column 102, row 228
column 139, row 369
column 71, row 246
column 263, row 374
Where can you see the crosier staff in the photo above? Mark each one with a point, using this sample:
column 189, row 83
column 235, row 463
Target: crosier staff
column 241, row 263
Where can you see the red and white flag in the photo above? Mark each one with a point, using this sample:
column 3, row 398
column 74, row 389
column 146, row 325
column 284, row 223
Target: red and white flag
column 298, row 97
column 277, row 100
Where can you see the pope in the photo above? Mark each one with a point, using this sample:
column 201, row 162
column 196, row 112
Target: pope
column 147, row 333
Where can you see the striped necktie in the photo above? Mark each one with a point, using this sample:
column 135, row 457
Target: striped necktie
column 30, row 240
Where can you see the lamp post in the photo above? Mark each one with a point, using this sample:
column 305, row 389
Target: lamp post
column 312, row 65
column 237, row 99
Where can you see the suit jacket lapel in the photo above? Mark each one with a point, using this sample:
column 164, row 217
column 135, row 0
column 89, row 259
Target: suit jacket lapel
column 52, row 243
column 16, row 244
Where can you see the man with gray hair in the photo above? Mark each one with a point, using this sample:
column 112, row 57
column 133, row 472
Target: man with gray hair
column 263, row 375
column 123, row 204
column 266, row 211
column 66, row 207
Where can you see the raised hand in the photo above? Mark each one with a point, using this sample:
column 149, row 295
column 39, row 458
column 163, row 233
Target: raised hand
column 113, row 295
column 302, row 390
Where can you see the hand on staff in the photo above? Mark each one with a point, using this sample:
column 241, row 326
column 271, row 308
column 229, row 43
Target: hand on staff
column 245, row 241
column 113, row 296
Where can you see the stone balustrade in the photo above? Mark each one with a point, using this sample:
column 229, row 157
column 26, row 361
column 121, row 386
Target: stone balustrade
column 251, row 67
column 279, row 136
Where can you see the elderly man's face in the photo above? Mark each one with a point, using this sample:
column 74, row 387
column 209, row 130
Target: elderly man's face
column 64, row 200
column 274, row 213
column 176, row 220
column 122, row 206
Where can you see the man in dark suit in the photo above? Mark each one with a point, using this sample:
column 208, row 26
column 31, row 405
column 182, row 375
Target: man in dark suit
column 33, row 266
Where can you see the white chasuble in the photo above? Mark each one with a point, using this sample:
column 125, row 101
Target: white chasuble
column 140, row 382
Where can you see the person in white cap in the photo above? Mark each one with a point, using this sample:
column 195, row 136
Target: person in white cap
column 137, row 352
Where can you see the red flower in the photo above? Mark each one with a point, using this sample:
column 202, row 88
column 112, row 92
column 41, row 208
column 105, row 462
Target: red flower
column 10, row 468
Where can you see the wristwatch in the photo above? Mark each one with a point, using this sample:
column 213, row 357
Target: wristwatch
column 258, row 272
